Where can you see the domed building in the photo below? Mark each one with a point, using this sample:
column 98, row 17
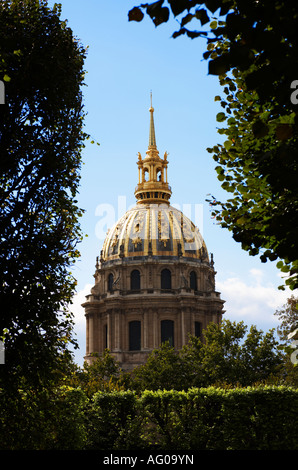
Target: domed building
column 154, row 280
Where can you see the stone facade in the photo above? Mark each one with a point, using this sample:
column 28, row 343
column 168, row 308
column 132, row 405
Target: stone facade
column 111, row 308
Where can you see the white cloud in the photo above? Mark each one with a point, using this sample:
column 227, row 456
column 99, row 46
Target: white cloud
column 254, row 301
column 80, row 322
column 77, row 309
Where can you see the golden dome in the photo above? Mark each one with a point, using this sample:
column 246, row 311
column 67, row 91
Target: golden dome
column 154, row 230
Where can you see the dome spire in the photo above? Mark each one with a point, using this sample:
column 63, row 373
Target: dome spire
column 153, row 184
column 152, row 139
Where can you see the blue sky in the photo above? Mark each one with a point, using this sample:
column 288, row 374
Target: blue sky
column 125, row 61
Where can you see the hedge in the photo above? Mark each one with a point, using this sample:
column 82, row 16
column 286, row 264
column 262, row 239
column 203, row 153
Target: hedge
column 200, row 419
column 218, row 419
column 42, row 420
column 253, row 418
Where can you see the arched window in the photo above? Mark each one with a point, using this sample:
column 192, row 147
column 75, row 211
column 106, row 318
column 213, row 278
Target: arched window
column 198, row 329
column 135, row 280
column 193, row 280
column 110, row 282
column 166, row 281
column 134, row 335
column 167, row 331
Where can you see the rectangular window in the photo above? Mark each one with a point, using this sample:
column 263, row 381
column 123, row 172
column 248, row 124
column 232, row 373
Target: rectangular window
column 134, row 335
column 198, row 329
column 166, row 281
column 167, row 331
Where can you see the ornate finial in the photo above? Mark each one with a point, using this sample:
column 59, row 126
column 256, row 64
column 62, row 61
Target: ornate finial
column 152, row 139
column 153, row 184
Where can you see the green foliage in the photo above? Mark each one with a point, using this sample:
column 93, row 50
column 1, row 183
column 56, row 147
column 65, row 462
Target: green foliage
column 164, row 368
column 253, row 48
column 288, row 315
column 214, row 394
column 41, row 139
column 227, row 353
column 257, row 166
column 43, row 419
column 219, row 419
column 114, row 421
column 288, row 334
column 252, row 418
column 233, row 355
column 103, row 374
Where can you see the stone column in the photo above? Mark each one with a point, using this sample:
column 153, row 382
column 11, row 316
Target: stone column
column 99, row 333
column 87, row 334
column 91, row 332
column 155, row 327
column 147, row 313
column 117, row 345
column 181, row 338
column 192, row 324
column 109, row 323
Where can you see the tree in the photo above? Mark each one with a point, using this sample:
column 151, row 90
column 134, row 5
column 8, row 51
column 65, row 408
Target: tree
column 103, row 374
column 288, row 334
column 232, row 354
column 252, row 47
column 164, row 369
column 41, row 139
column 226, row 354
column 288, row 315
